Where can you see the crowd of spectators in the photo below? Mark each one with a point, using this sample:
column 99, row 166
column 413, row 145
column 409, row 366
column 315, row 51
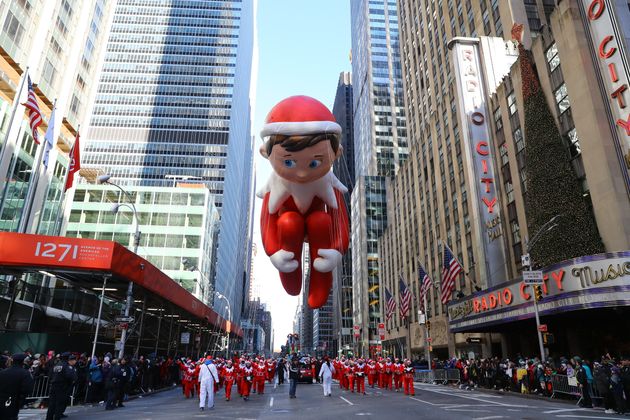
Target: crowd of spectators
column 604, row 382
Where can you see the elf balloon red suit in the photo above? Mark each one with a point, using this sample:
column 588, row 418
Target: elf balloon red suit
column 303, row 198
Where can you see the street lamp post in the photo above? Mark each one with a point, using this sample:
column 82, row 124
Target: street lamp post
column 227, row 304
column 105, row 179
column 526, row 259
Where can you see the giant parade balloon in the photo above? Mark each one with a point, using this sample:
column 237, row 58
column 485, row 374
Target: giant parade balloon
column 303, row 200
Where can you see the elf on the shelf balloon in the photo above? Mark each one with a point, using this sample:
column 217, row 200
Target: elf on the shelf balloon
column 302, row 200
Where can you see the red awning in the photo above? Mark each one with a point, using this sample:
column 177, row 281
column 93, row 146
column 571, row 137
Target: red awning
column 60, row 255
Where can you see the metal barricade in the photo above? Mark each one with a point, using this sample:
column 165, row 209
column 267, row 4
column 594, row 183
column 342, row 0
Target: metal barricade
column 568, row 385
column 440, row 376
column 41, row 389
column 424, row 376
column 453, row 376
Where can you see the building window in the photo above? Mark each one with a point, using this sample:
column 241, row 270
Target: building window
column 13, row 28
column 516, row 231
column 511, row 99
column 552, row 57
column 574, row 143
column 504, row 154
column 562, row 98
column 498, row 121
column 518, row 140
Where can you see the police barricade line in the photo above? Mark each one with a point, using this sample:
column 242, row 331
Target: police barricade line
column 41, row 389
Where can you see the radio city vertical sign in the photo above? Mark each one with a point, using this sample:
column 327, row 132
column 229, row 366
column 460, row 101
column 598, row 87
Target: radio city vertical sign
column 608, row 23
column 479, row 155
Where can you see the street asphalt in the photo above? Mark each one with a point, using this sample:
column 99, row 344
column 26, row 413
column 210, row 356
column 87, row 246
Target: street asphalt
column 430, row 402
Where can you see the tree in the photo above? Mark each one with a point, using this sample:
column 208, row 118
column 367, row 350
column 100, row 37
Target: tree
column 552, row 186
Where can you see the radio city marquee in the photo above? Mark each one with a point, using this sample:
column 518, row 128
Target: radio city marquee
column 608, row 23
column 479, row 160
column 600, row 280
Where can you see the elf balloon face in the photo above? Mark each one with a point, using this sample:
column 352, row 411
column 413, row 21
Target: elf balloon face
column 302, row 197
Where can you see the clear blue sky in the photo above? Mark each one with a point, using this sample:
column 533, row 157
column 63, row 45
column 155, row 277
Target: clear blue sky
column 303, row 45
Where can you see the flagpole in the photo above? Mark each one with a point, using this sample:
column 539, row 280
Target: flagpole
column 32, row 187
column 62, row 208
column 16, row 103
column 427, row 335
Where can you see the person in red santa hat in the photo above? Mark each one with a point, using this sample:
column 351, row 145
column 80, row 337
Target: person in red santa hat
column 303, row 198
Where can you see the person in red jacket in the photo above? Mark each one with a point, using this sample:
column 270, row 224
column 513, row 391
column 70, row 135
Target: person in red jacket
column 388, row 370
column 314, row 369
column 398, row 374
column 303, row 199
column 228, row 374
column 359, row 376
column 260, row 373
column 371, row 373
column 271, row 370
column 350, row 374
column 248, row 379
column 187, row 377
column 239, row 376
column 408, row 376
column 380, row 370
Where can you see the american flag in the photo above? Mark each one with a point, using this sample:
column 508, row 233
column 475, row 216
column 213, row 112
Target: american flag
column 390, row 307
column 34, row 115
column 425, row 283
column 405, row 297
column 450, row 270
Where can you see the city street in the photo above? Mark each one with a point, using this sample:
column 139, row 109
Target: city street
column 431, row 401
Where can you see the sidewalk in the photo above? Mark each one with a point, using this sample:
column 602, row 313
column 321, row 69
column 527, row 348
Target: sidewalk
column 37, row 413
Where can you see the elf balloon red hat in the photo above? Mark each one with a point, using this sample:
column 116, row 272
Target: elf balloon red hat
column 300, row 116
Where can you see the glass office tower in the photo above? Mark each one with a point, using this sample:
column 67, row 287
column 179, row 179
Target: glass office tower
column 173, row 109
column 380, row 146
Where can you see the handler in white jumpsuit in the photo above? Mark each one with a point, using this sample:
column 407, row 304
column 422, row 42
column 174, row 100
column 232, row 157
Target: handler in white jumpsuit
column 208, row 375
column 326, row 372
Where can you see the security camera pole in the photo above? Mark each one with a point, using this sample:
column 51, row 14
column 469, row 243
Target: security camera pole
column 104, row 179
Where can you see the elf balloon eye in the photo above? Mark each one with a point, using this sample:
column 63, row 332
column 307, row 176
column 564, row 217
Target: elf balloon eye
column 289, row 163
column 314, row 163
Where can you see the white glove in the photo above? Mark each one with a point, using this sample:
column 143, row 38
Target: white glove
column 284, row 262
column 329, row 259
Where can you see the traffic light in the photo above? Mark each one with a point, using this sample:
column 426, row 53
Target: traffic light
column 428, row 324
column 538, row 292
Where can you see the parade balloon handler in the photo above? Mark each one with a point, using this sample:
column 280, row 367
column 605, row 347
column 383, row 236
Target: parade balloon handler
column 303, row 199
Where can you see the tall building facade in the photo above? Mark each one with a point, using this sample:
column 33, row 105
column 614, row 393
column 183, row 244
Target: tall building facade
column 59, row 45
column 173, row 109
column 380, row 147
column 323, row 331
column 432, row 200
column 344, row 169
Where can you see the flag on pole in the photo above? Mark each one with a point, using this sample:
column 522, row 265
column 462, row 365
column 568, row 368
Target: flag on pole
column 405, row 297
column 450, row 270
column 49, row 137
column 390, row 307
column 75, row 163
column 34, row 114
column 425, row 283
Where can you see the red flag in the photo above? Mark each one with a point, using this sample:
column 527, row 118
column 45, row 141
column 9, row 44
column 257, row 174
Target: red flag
column 75, row 163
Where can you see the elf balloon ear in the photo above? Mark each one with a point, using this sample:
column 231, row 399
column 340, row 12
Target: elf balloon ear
column 263, row 151
column 339, row 152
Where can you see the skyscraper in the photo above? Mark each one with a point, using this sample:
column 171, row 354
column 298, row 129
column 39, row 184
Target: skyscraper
column 173, row 109
column 60, row 45
column 435, row 194
column 344, row 169
column 380, row 146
